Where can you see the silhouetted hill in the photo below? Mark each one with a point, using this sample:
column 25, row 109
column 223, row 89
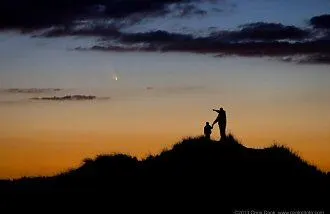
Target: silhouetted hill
column 195, row 173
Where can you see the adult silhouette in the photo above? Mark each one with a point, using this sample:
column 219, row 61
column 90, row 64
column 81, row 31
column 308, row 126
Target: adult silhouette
column 222, row 122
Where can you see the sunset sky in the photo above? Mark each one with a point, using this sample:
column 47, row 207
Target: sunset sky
column 157, row 68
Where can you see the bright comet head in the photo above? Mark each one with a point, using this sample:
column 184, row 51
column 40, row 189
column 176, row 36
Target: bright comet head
column 115, row 77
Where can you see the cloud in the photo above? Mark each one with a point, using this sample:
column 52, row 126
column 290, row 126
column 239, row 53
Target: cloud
column 31, row 90
column 267, row 32
column 250, row 32
column 70, row 98
column 253, row 39
column 98, row 30
column 317, row 59
column 258, row 36
column 208, row 45
column 38, row 14
column 224, row 43
column 107, row 18
column 155, row 37
column 307, row 59
column 322, row 22
column 273, row 48
column 187, row 10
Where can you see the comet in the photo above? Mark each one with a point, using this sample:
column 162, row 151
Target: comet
column 115, row 77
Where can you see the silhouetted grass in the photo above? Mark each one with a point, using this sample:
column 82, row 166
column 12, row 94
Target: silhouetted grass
column 194, row 172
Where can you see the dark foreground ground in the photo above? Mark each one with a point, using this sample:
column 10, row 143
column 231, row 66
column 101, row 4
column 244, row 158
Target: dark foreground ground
column 196, row 174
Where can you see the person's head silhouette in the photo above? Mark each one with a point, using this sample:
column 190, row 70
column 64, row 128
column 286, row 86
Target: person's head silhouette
column 207, row 123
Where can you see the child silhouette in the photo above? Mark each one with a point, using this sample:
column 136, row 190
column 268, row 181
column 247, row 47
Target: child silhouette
column 207, row 130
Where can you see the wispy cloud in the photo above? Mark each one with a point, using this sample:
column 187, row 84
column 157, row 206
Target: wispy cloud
column 30, row 90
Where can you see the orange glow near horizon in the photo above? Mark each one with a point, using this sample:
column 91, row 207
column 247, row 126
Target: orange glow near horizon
column 54, row 138
column 45, row 156
column 50, row 154
column 153, row 105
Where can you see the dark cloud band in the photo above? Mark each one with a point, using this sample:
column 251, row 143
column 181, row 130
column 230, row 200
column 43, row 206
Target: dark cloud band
column 322, row 21
column 82, row 18
column 36, row 14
